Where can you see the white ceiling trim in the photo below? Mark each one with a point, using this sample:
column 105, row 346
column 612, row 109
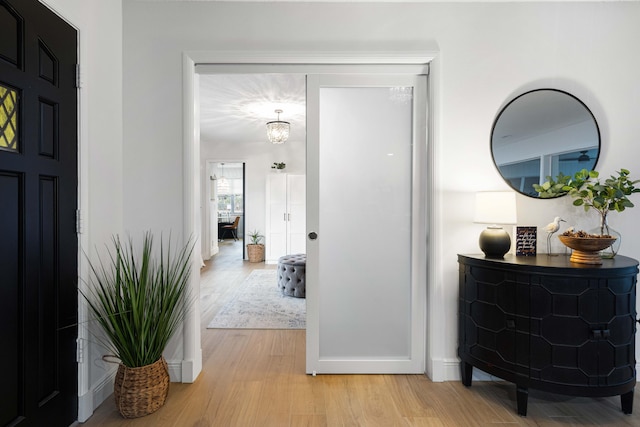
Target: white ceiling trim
column 401, row 68
column 386, row 1
column 303, row 58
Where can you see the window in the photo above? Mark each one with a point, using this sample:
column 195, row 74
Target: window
column 230, row 198
column 8, row 119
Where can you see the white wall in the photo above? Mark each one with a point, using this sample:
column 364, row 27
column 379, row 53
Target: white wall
column 99, row 24
column 488, row 53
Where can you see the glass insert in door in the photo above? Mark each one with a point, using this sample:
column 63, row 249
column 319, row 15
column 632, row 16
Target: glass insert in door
column 8, row 119
column 365, row 160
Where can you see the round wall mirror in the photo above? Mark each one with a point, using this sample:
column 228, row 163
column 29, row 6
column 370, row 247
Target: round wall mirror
column 543, row 133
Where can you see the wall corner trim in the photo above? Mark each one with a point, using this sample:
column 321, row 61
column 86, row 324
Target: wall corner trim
column 89, row 401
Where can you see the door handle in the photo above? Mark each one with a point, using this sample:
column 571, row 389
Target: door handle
column 313, row 235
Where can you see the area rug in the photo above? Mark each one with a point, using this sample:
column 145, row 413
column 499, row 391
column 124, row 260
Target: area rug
column 259, row 304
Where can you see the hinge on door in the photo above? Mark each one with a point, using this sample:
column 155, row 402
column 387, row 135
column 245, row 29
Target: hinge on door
column 79, row 222
column 78, row 81
column 79, row 350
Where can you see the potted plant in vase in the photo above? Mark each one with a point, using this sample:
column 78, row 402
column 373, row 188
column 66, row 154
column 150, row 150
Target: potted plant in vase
column 140, row 301
column 279, row 167
column 255, row 249
column 604, row 197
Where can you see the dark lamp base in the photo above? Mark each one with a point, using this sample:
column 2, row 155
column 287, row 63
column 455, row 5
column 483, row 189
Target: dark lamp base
column 494, row 242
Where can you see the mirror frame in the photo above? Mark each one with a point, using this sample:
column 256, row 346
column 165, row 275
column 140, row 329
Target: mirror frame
column 510, row 103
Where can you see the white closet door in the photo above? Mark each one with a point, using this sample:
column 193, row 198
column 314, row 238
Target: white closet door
column 286, row 216
column 276, row 233
column 296, row 214
column 366, row 268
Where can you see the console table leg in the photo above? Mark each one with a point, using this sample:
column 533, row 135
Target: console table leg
column 522, row 396
column 627, row 402
column 466, row 370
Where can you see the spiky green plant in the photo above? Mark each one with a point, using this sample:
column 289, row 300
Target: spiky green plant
column 256, row 237
column 140, row 300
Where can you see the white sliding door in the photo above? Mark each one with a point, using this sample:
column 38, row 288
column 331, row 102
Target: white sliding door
column 366, row 270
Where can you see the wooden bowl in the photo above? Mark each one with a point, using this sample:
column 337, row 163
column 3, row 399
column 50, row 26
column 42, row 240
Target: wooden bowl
column 586, row 250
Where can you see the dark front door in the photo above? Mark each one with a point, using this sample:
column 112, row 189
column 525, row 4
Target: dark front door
column 38, row 199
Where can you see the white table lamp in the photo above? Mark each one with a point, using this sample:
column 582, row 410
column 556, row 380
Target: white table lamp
column 495, row 207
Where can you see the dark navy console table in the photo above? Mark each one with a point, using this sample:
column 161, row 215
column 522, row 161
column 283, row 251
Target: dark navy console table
column 543, row 322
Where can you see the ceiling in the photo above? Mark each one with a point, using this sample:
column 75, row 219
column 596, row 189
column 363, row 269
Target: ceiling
column 538, row 112
column 234, row 108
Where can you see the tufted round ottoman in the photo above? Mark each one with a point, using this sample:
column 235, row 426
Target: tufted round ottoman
column 291, row 271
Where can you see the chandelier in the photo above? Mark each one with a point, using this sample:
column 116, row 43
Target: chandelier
column 223, row 183
column 277, row 130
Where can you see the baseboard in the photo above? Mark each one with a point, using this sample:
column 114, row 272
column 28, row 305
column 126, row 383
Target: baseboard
column 89, row 402
column 452, row 369
column 449, row 370
column 439, row 370
column 191, row 368
column 175, row 370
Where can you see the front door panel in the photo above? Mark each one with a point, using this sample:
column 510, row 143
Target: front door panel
column 38, row 194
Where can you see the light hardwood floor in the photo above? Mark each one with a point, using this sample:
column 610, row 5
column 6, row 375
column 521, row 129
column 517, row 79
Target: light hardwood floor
column 257, row 378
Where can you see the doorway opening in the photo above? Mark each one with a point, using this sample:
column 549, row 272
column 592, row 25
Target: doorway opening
column 234, row 110
column 253, row 62
column 224, row 208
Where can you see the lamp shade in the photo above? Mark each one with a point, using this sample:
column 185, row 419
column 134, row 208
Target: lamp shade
column 496, row 207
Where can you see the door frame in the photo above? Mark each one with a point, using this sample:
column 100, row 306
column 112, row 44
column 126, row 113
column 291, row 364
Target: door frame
column 85, row 396
column 436, row 366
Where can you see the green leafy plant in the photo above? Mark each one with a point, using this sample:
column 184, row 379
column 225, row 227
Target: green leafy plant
column 256, row 237
column 277, row 165
column 553, row 188
column 589, row 192
column 140, row 300
column 592, row 193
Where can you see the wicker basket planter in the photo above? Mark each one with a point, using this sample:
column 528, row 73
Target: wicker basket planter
column 255, row 252
column 141, row 391
column 140, row 298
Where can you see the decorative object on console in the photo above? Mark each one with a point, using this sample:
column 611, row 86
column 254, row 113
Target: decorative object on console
column 589, row 192
column 526, row 241
column 278, row 130
column 586, row 247
column 551, row 228
column 495, row 207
